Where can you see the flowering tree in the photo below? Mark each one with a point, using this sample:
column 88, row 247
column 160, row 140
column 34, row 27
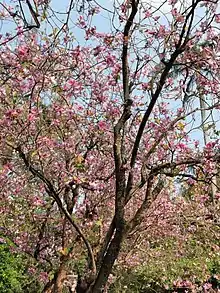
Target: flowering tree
column 93, row 131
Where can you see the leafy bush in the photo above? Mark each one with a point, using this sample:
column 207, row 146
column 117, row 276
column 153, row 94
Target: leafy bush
column 167, row 271
column 11, row 271
column 14, row 276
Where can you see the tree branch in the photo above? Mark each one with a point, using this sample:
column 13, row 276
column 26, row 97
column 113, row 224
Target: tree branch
column 150, row 196
column 51, row 191
column 34, row 15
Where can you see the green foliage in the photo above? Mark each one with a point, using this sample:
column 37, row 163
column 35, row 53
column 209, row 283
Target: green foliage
column 78, row 265
column 14, row 277
column 167, row 266
column 11, row 271
column 214, row 268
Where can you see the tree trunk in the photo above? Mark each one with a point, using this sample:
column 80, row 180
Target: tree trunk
column 108, row 262
column 56, row 285
column 60, row 277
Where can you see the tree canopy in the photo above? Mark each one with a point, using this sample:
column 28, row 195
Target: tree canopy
column 103, row 111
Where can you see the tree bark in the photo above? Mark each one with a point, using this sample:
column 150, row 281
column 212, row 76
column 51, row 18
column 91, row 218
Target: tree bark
column 56, row 285
column 60, row 278
column 108, row 261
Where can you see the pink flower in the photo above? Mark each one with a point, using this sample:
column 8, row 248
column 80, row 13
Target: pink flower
column 2, row 241
column 110, row 60
column 147, row 14
column 174, row 12
column 22, row 50
column 71, row 82
column 43, row 277
column 156, row 18
column 181, row 146
column 97, row 50
column 102, row 125
column 207, row 286
column 146, row 86
column 196, row 143
column 161, row 31
column 31, row 117
column 190, row 181
column 172, row 2
column 12, row 113
column 217, row 18
column 170, row 81
column 31, row 270
column 210, row 145
column 82, row 22
column 179, row 17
